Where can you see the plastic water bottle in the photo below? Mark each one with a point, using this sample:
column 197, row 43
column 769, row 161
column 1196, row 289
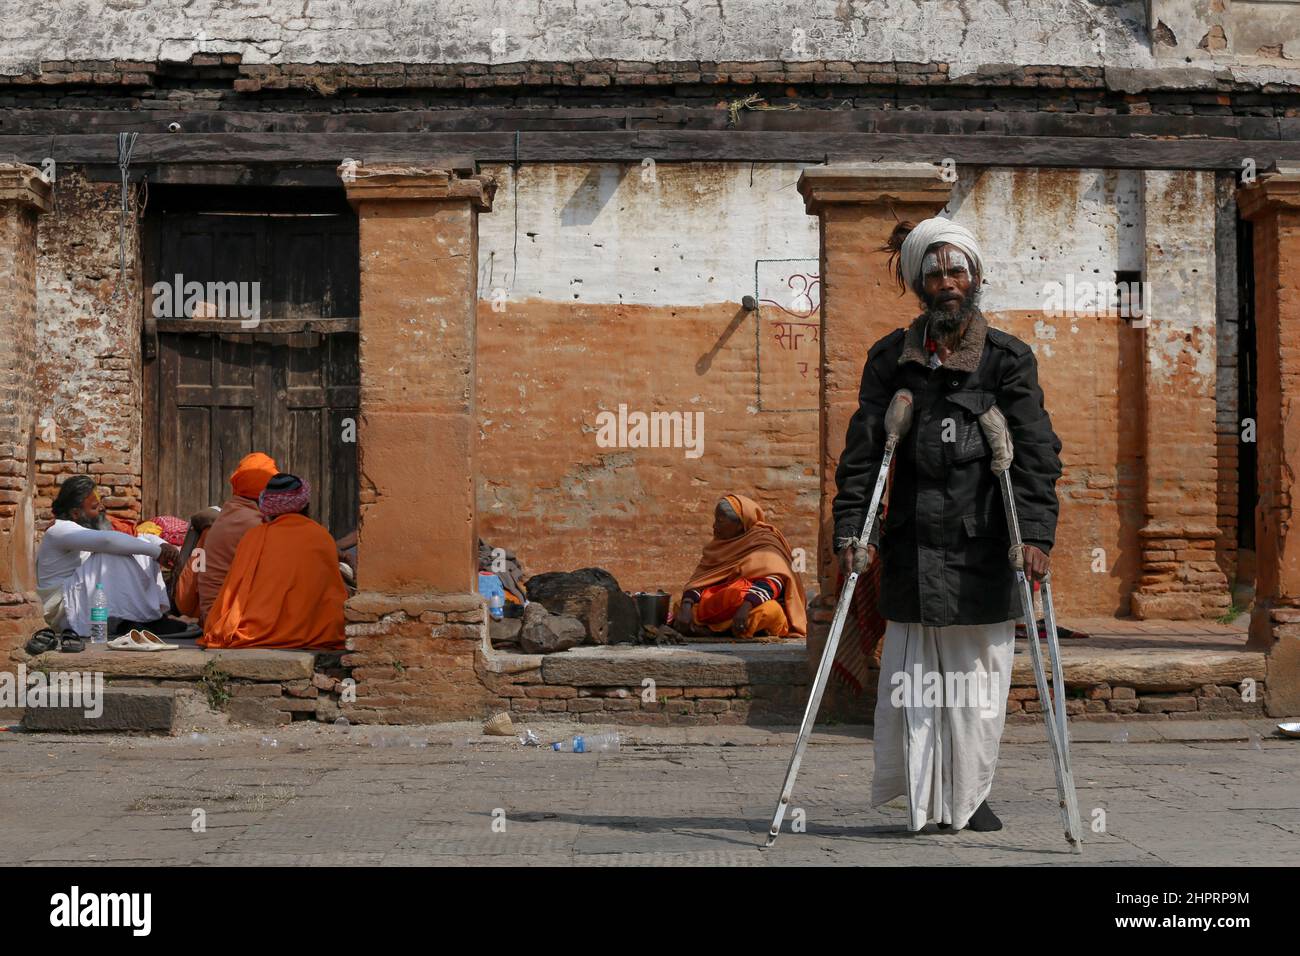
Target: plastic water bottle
column 596, row 743
column 496, row 606
column 99, row 616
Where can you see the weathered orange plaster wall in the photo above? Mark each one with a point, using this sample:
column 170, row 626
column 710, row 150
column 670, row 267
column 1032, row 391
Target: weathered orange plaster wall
column 550, row 493
column 1092, row 389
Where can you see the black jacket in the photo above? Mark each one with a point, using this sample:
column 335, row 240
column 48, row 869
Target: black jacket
column 945, row 542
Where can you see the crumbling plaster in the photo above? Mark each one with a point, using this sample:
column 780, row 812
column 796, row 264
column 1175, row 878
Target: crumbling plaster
column 964, row 33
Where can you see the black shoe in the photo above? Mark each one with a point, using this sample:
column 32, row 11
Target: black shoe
column 42, row 641
column 70, row 642
column 983, row 820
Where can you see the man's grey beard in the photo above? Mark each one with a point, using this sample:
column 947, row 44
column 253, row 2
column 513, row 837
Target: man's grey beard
column 943, row 324
column 96, row 524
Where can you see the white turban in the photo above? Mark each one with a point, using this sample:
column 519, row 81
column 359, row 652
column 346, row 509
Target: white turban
column 928, row 233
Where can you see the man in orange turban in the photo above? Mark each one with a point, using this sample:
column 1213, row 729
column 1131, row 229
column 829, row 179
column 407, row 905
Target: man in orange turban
column 745, row 582
column 207, row 566
column 284, row 588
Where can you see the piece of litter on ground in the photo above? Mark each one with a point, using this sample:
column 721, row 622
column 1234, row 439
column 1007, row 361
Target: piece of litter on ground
column 499, row 725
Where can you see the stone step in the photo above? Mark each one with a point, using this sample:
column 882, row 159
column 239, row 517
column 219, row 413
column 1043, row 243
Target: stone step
column 124, row 710
column 1150, row 669
column 694, row 665
column 187, row 663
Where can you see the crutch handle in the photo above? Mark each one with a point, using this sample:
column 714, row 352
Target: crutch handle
column 994, row 424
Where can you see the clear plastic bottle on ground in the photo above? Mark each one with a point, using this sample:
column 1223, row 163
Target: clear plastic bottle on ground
column 99, row 616
column 592, row 743
column 496, row 606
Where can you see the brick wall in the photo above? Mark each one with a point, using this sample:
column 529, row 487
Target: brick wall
column 617, row 290
column 88, row 369
column 558, row 350
column 209, row 81
column 18, row 226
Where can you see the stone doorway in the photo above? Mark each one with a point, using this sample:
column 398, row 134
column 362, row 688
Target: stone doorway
column 281, row 375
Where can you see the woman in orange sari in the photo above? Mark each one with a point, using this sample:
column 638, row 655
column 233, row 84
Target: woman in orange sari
column 745, row 582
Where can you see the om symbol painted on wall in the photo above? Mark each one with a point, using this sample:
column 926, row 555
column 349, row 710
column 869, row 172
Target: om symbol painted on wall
column 789, row 333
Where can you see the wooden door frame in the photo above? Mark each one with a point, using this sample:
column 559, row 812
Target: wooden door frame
column 251, row 198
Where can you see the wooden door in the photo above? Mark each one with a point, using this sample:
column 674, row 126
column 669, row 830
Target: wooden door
column 288, row 387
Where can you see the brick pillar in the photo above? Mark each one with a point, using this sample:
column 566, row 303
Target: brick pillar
column 417, row 622
column 1181, row 579
column 1273, row 206
column 857, row 208
column 23, row 196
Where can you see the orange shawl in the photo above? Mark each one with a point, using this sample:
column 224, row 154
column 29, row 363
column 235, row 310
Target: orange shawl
column 238, row 517
column 283, row 590
column 761, row 551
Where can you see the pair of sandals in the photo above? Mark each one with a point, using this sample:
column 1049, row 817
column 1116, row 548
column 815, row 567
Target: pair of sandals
column 140, row 640
column 44, row 640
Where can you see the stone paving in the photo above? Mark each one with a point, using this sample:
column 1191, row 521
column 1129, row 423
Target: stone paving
column 1223, row 793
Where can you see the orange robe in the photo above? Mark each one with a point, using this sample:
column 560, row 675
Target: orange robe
column 760, row 551
column 720, row 602
column 283, row 590
column 238, row 517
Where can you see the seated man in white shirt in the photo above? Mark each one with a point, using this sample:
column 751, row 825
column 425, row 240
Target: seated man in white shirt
column 79, row 551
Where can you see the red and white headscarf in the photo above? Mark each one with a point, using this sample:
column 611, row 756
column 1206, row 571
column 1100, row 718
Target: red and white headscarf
column 284, row 494
column 173, row 528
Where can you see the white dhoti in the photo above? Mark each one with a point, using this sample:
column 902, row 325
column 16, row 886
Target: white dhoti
column 133, row 583
column 940, row 709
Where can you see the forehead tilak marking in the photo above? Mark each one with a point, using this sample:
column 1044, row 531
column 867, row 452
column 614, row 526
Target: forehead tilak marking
column 941, row 260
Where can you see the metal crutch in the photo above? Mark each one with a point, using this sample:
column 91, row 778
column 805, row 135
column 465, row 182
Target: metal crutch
column 898, row 419
column 995, row 429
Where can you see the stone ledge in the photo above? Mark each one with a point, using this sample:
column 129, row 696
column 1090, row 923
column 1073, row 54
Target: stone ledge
column 256, row 664
column 400, row 182
column 689, row 666
column 1144, row 668
column 23, row 184
column 872, row 183
column 126, row 710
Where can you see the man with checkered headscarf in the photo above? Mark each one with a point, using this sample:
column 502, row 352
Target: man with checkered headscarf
column 284, row 588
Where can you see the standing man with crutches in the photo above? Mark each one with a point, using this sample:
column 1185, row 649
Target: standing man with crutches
column 947, row 589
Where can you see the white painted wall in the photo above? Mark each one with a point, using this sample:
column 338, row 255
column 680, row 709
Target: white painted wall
column 1042, row 225
column 964, row 33
column 673, row 234
column 603, row 234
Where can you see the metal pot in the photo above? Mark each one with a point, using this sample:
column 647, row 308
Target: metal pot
column 652, row 606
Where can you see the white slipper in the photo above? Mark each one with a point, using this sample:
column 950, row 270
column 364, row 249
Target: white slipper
column 154, row 641
column 127, row 642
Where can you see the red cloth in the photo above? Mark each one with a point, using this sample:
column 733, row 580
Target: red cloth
column 863, row 630
column 173, row 529
column 864, row 626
